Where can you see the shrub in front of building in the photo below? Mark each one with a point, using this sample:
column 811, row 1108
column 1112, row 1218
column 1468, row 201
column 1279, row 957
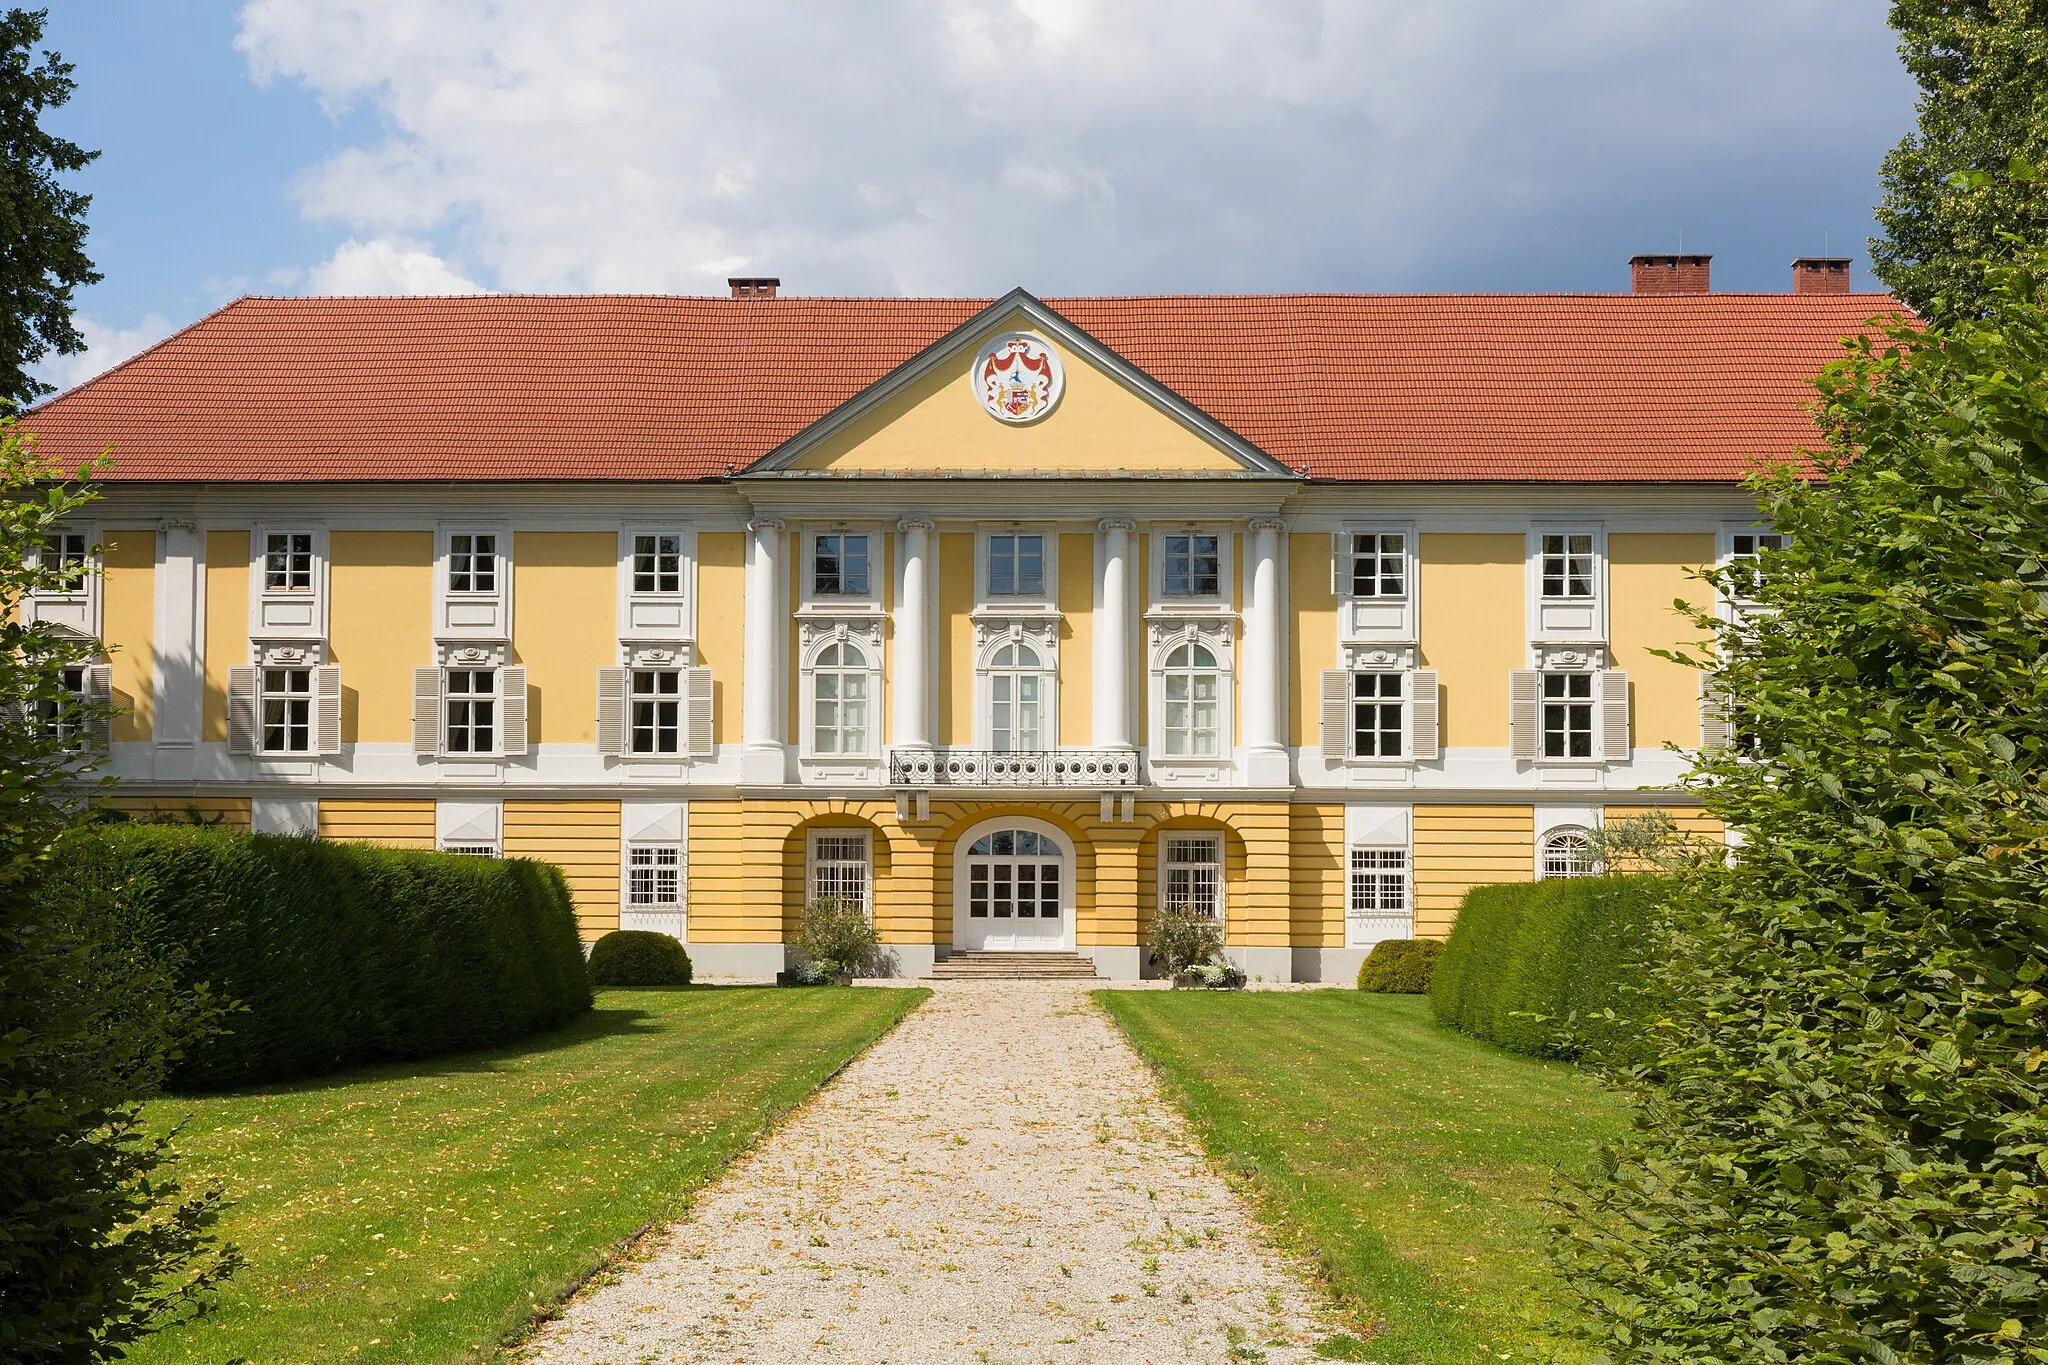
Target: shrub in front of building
column 635, row 957
column 1549, row 968
column 1400, row 966
column 837, row 938
column 333, row 954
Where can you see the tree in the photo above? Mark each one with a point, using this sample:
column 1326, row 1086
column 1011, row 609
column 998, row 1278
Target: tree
column 98, row 1242
column 1965, row 180
column 1841, row 1146
column 42, row 224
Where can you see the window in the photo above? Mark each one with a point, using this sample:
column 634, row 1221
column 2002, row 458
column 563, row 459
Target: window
column 1014, row 874
column 59, row 718
column 471, row 698
column 1191, row 566
column 1376, row 715
column 1567, row 715
column 1743, row 550
column 472, row 563
column 1192, row 689
column 1379, row 565
column 1747, row 546
column 1191, row 873
column 657, row 563
column 839, row 566
column 1016, row 566
column 286, row 711
column 1568, row 565
column 839, row 867
column 1016, row 686
column 654, row 877
column 1379, row 894
column 64, row 554
column 1568, row 853
column 472, row 850
column 657, row 704
column 839, row 698
column 288, row 561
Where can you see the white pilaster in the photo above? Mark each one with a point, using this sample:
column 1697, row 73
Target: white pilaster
column 1263, row 679
column 910, row 678
column 180, row 663
column 761, row 704
column 1113, row 638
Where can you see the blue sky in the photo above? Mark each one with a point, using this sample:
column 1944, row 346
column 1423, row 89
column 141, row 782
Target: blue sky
column 960, row 146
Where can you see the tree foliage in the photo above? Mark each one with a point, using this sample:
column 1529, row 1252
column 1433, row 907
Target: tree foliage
column 1970, row 175
column 42, row 224
column 1841, row 1153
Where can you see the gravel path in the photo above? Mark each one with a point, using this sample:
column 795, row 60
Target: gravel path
column 999, row 1179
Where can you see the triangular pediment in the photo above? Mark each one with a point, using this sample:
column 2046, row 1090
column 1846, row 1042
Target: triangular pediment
column 1019, row 391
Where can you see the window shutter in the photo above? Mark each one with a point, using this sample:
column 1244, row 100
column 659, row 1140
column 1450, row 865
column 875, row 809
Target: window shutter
column 512, row 712
column 1525, row 722
column 1422, row 688
column 426, row 711
column 1336, row 714
column 699, row 742
column 327, row 739
column 1614, row 715
column 1715, row 721
column 241, row 710
column 611, row 711
column 99, row 700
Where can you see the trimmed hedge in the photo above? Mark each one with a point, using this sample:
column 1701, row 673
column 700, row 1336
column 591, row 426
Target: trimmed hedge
column 337, row 953
column 1400, row 966
column 635, row 957
column 1532, row 965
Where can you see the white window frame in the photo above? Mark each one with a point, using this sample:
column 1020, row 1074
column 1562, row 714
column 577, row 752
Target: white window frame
column 1156, row 536
column 1403, row 698
column 814, row 862
column 77, row 607
column 496, row 697
column 473, row 827
column 310, row 697
column 1377, row 829
column 1379, row 617
column 1726, row 553
column 1558, row 618
column 1219, row 863
column 654, row 867
column 1217, row 642
column 297, row 614
column 1591, row 701
column 1375, row 868
column 472, row 614
column 868, row 600
column 1012, row 603
column 665, row 617
column 654, row 825
column 1047, row 673
column 1544, row 840
column 679, row 698
column 870, row 674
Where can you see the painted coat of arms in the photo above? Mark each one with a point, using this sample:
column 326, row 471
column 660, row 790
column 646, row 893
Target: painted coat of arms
column 1018, row 378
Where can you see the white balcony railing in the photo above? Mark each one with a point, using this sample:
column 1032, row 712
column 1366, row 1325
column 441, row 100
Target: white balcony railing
column 1096, row 768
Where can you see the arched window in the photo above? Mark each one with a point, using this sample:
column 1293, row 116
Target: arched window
column 839, row 698
column 1568, row 853
column 1016, row 696
column 1193, row 689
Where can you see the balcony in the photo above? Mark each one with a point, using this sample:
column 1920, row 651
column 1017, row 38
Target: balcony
column 1095, row 769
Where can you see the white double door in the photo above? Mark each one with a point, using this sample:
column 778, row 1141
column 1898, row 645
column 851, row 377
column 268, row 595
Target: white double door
column 1013, row 892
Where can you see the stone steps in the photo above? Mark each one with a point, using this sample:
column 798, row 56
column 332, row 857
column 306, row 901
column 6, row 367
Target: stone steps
column 1024, row 966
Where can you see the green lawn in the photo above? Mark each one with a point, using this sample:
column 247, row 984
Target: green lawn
column 1408, row 1160
column 420, row 1212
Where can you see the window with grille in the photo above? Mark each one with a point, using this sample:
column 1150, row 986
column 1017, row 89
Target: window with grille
column 65, row 555
column 1191, row 568
column 1568, row 715
column 839, row 566
column 1191, row 873
column 285, row 711
column 1016, row 696
column 1016, row 566
column 839, row 700
column 1379, row 565
column 1568, row 565
column 1376, row 700
column 472, row 850
column 470, row 696
column 1568, row 853
column 1379, row 905
column 654, row 877
column 657, row 563
column 839, row 867
column 1192, row 690
column 656, row 710
column 472, row 563
column 288, row 561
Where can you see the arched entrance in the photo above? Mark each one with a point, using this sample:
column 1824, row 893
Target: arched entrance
column 1013, row 887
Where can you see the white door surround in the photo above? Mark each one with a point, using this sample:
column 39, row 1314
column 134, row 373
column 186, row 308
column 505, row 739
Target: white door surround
column 1013, row 870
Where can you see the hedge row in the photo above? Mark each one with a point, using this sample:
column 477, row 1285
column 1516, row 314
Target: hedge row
column 1531, row 966
column 338, row 953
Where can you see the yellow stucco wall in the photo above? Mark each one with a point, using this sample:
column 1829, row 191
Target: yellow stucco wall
column 1316, row 870
column 1645, row 574
column 227, row 624
column 128, row 625
column 722, row 624
column 938, row 424
column 564, row 628
column 1077, row 639
column 953, row 686
column 1474, row 626
column 1311, row 634
column 1459, row 847
column 401, row 824
column 380, row 620
column 581, row 838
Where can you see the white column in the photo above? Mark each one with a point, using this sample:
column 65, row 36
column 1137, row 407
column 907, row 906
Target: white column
column 1261, row 677
column 1113, row 638
column 180, row 641
column 762, row 701
column 910, row 676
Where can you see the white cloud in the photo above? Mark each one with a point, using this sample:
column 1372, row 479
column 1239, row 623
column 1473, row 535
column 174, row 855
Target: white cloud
column 105, row 347
column 387, row 265
column 967, row 145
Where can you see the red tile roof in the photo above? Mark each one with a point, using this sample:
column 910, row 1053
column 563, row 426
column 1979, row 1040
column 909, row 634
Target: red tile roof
column 1370, row 387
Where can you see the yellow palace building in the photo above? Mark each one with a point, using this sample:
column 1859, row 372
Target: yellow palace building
column 1015, row 619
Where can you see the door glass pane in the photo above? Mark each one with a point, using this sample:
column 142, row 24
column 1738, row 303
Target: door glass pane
column 1049, row 891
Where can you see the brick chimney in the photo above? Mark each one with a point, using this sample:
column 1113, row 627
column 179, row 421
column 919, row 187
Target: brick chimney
column 753, row 286
column 1668, row 274
column 1820, row 275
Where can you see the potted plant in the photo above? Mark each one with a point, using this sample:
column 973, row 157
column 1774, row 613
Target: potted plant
column 1187, row 946
column 835, row 943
